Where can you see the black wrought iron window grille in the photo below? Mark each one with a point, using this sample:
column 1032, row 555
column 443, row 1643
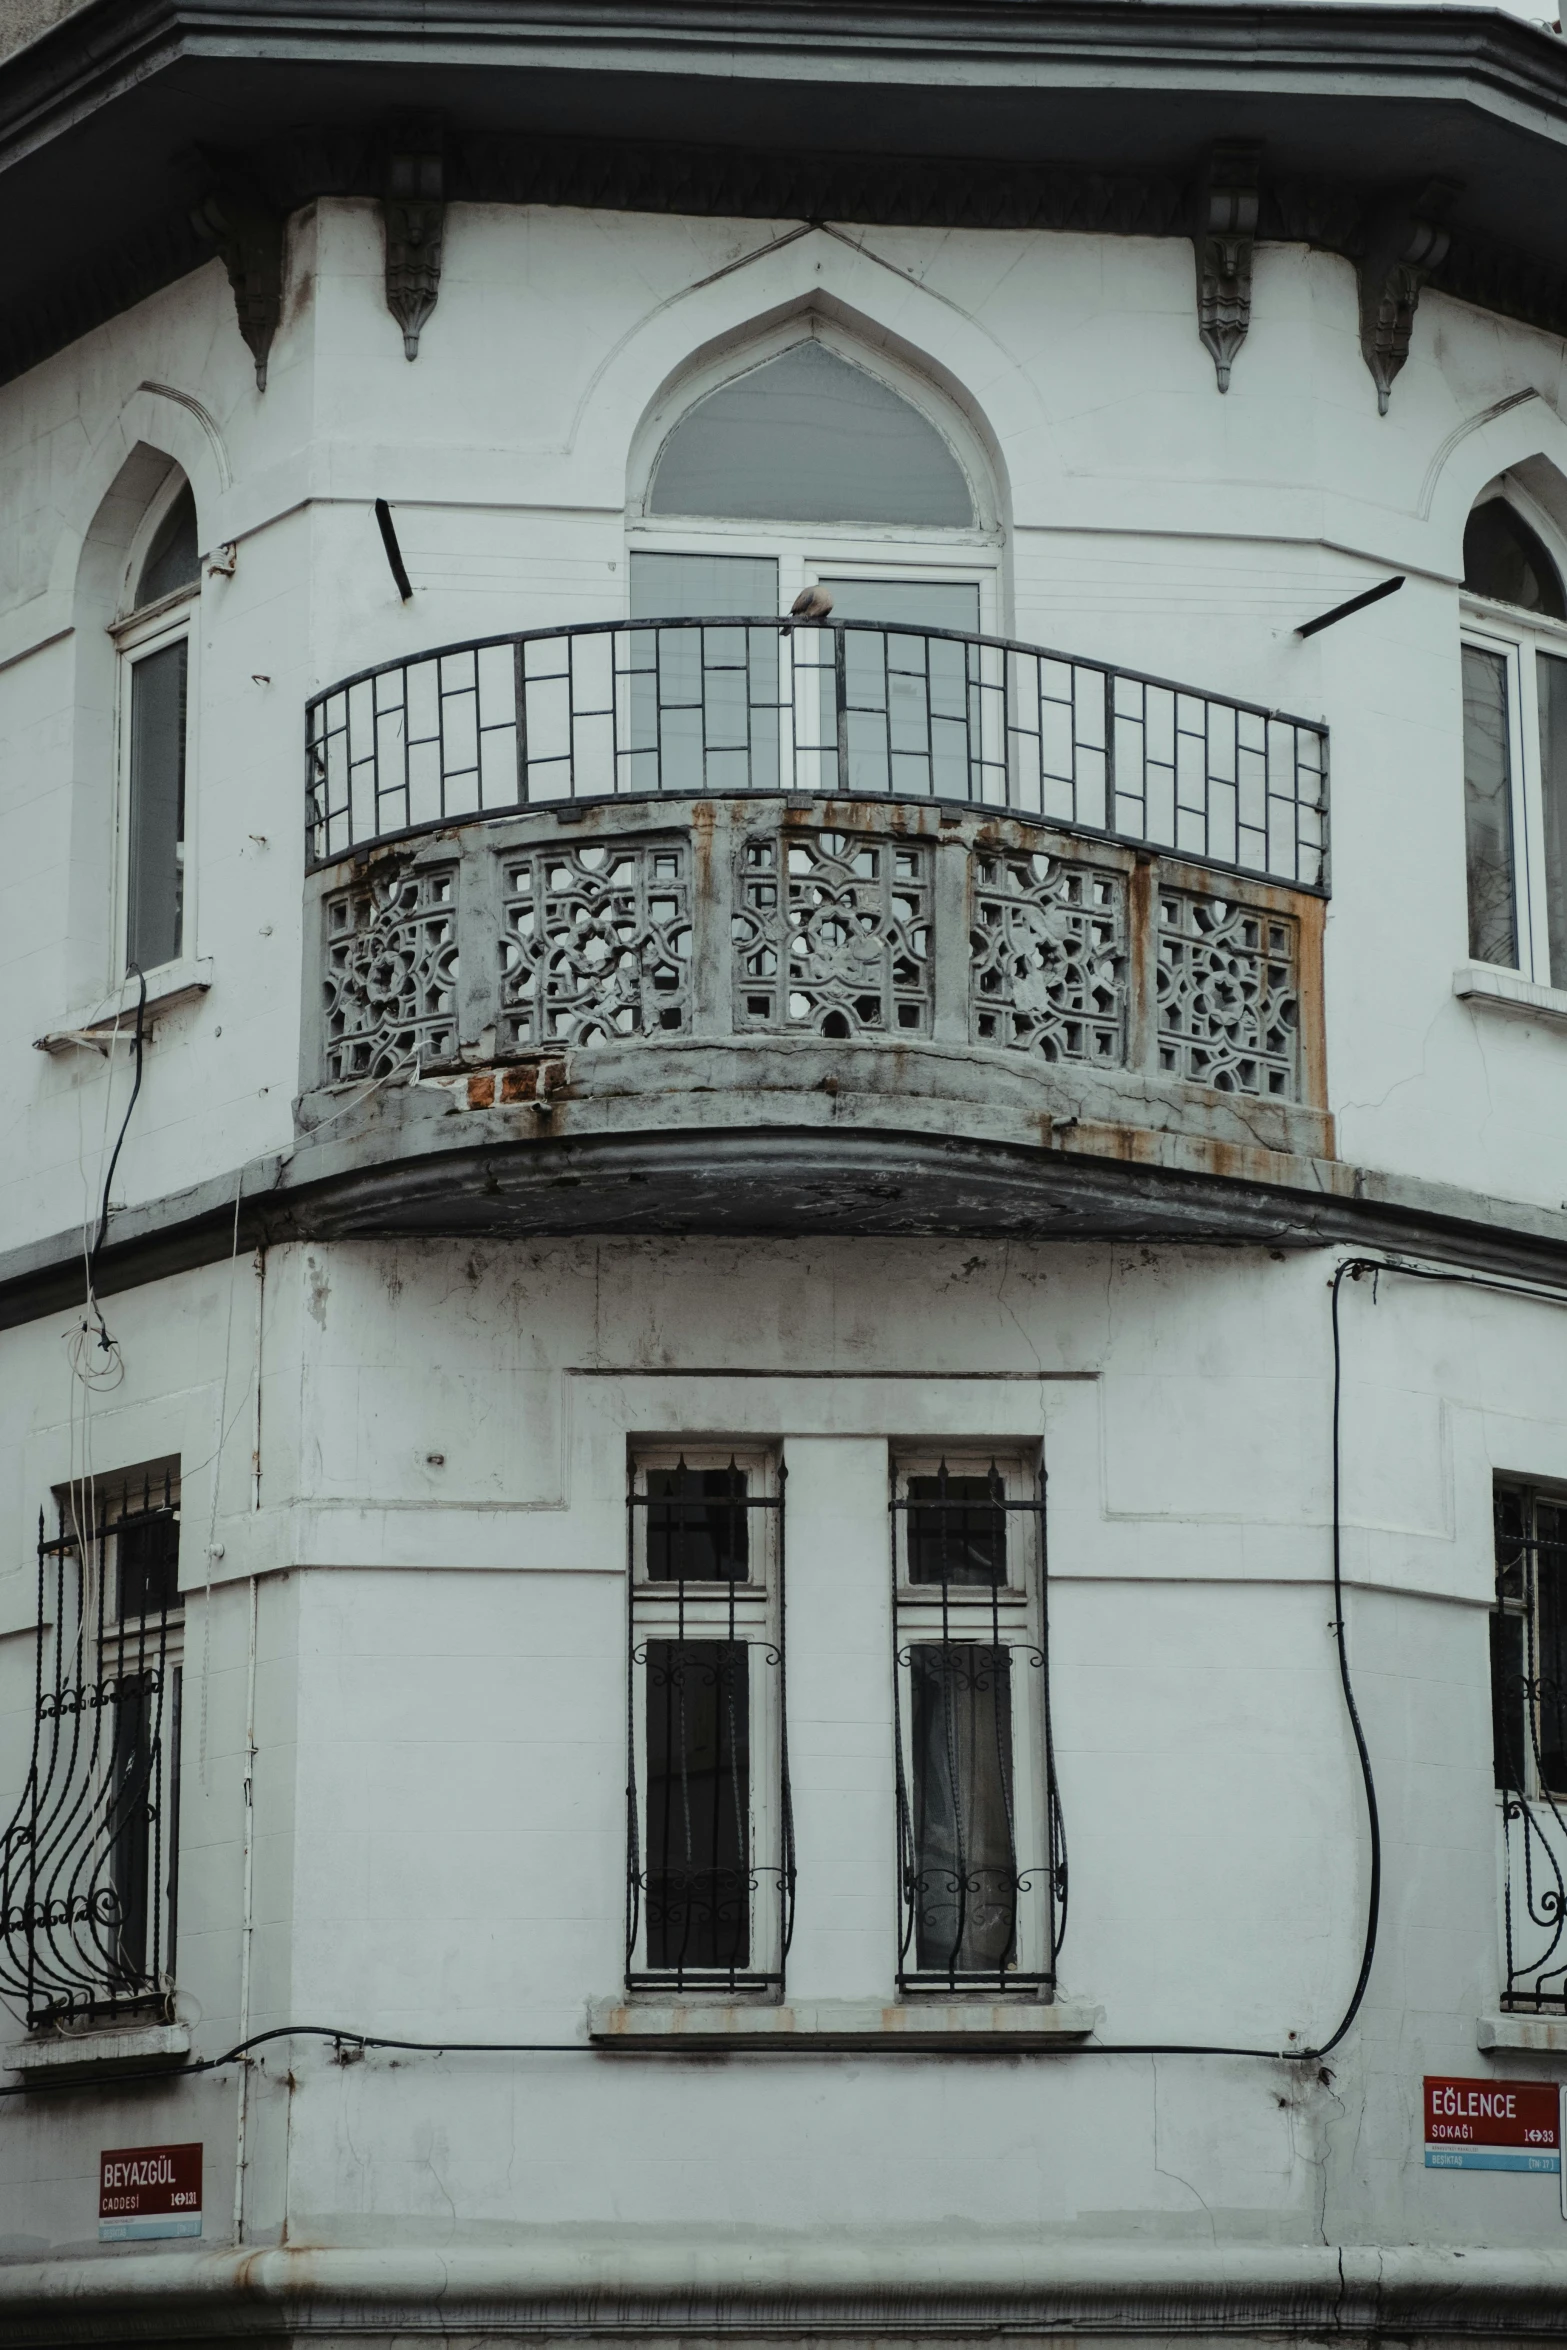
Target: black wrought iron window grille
column 1529, row 1741
column 981, row 1844
column 710, row 1874
column 89, row 1859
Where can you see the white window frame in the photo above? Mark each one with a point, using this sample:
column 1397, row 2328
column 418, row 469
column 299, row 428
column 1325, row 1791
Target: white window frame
column 1014, row 1615
column 750, row 1613
column 147, row 629
column 1493, row 628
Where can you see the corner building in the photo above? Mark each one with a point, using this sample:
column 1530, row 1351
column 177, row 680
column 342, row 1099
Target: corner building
column 783, row 1472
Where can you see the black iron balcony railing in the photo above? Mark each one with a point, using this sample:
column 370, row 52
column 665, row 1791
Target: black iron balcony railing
column 717, row 708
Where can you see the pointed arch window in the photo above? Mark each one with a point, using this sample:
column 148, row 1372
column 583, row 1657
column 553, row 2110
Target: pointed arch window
column 808, row 437
column 155, row 652
column 1515, row 745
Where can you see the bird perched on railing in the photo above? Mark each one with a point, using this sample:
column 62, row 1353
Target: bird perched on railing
column 812, row 603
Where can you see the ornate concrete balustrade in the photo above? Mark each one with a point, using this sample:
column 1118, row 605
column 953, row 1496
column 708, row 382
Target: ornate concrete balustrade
column 622, row 968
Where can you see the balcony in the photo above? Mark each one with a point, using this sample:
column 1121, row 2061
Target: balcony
column 708, row 911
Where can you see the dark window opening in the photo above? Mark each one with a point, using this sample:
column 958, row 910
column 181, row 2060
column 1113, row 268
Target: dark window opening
column 698, row 1804
column 174, row 558
column 957, row 1529
column 698, row 1528
column 1529, row 1644
column 1505, row 560
column 147, row 1546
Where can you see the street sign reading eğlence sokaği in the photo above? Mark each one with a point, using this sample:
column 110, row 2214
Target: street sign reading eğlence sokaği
column 148, row 2191
column 1493, row 2125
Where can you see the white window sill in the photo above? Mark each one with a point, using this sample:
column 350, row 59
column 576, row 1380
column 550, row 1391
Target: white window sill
column 95, row 1029
column 1546, row 2035
column 979, row 2025
column 1508, row 992
column 129, row 2048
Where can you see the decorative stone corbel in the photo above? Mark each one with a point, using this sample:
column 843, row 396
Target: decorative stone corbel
column 1223, row 234
column 413, row 208
column 246, row 232
column 1407, row 241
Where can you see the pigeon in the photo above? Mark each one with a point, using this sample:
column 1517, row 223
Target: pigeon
column 812, row 603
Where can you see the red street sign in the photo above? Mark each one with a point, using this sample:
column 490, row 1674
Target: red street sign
column 1493, row 2125
column 149, row 2191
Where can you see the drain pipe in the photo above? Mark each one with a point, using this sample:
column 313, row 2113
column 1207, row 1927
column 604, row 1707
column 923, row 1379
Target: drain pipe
column 247, row 1918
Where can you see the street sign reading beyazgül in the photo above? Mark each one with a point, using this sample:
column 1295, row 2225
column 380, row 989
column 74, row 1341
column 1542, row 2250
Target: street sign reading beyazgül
column 149, row 2191
column 1493, row 2125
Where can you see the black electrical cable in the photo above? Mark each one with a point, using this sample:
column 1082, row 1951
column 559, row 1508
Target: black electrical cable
column 139, row 1045
column 337, row 2032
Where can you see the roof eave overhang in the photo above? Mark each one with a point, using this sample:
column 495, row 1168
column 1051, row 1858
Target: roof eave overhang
column 1095, row 114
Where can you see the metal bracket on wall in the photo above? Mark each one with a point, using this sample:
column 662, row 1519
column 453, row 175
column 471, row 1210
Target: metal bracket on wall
column 1408, row 241
column 1223, row 233
column 413, row 211
column 245, row 229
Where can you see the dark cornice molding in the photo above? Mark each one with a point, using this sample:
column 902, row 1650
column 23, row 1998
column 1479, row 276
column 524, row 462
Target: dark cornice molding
column 498, row 167
column 1082, row 115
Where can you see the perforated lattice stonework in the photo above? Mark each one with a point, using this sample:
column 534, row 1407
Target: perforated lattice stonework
column 832, row 933
column 1229, row 1008
column 596, row 944
column 391, row 972
column 1047, row 958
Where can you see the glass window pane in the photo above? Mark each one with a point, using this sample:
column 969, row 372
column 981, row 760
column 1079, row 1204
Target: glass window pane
column 1550, row 1664
column 957, row 1531
column 808, row 438
column 698, row 1803
column 921, row 603
column 131, row 1801
column 965, row 1890
column 1504, row 559
column 1553, row 793
column 697, row 1525
column 148, row 1551
column 1488, row 812
column 157, row 809
column 703, row 587
column 173, row 559
column 1509, row 1704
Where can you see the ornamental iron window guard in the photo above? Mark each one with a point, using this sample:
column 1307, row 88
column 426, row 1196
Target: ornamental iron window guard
column 88, row 1862
column 975, row 1763
column 1529, row 1738
column 710, row 1872
column 717, row 708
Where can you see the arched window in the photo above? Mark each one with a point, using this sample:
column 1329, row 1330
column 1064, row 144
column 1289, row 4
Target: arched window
column 809, row 438
column 1515, row 743
column 155, row 656
column 809, row 466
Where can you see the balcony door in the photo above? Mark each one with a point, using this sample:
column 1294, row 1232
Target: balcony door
column 807, row 467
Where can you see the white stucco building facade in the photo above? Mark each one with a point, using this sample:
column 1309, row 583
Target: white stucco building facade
column 783, row 1434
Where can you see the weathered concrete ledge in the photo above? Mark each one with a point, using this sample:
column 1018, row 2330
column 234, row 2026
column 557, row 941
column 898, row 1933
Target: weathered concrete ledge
column 476, row 1175
column 552, row 2283
column 976, row 2027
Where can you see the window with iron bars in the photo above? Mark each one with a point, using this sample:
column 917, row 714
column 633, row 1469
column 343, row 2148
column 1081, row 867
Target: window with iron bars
column 981, row 1847
column 1529, row 1741
column 89, row 1860
column 710, row 1871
